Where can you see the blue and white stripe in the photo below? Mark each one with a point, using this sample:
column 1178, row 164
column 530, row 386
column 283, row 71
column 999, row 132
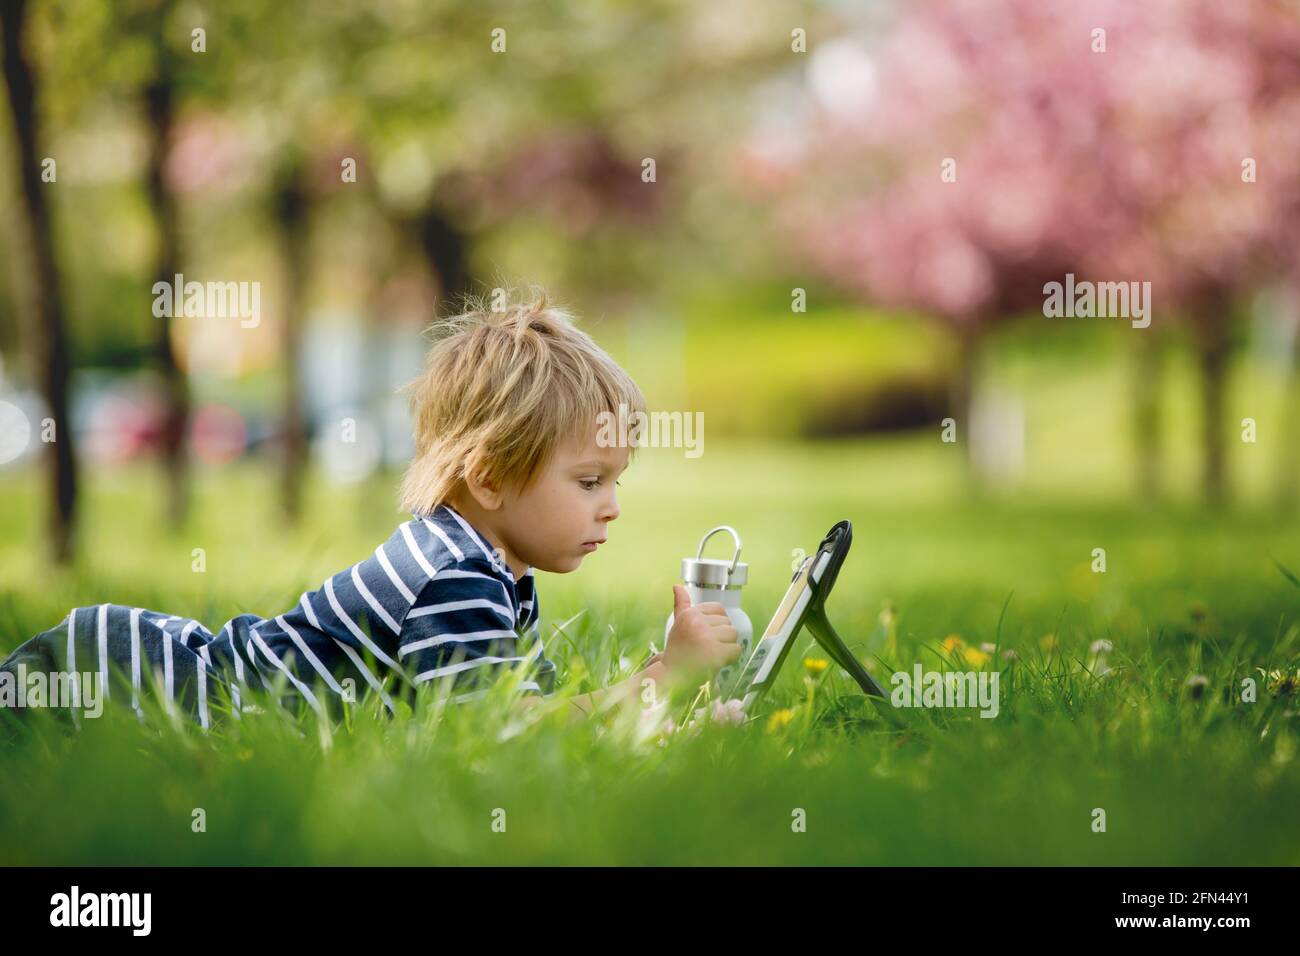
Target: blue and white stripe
column 432, row 603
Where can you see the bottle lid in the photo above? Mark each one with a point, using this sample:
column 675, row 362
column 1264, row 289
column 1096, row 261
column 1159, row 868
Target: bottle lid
column 714, row 572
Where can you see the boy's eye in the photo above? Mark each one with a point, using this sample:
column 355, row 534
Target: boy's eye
column 588, row 483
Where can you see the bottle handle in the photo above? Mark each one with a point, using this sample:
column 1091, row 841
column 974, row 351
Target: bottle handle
column 699, row 554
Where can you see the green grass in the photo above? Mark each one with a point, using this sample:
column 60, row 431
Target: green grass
column 1183, row 779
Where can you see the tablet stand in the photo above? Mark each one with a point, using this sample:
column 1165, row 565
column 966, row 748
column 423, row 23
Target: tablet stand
column 835, row 545
column 822, row 631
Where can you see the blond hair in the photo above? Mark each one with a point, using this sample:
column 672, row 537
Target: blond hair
column 502, row 389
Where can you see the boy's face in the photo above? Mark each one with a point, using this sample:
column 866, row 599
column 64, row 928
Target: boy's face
column 553, row 524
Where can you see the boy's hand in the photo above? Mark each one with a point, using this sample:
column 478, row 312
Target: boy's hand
column 701, row 641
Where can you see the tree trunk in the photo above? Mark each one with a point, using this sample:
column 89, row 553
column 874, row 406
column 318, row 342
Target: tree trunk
column 158, row 99
column 1148, row 377
column 291, row 206
column 1212, row 331
column 445, row 247
column 961, row 395
column 39, row 284
column 1288, row 457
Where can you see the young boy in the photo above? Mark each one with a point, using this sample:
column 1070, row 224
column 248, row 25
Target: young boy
column 508, row 476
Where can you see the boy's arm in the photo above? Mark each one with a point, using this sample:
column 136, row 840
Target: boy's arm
column 625, row 694
column 706, row 641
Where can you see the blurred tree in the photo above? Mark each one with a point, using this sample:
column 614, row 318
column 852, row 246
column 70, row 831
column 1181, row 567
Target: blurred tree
column 473, row 129
column 100, row 56
column 995, row 149
column 151, row 22
column 41, row 290
column 292, row 205
column 1283, row 301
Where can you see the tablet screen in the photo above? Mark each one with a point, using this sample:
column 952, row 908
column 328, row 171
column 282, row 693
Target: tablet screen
column 767, row 652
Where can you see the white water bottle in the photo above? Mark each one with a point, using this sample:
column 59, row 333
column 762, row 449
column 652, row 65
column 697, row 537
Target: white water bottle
column 711, row 579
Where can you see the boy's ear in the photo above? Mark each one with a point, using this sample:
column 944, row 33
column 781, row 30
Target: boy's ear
column 485, row 493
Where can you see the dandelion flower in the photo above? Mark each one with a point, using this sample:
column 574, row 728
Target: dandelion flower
column 779, row 719
column 1101, row 646
column 1047, row 642
column 815, row 665
column 952, row 642
column 975, row 658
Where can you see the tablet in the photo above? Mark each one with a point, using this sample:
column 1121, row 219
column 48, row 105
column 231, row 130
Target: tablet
column 804, row 603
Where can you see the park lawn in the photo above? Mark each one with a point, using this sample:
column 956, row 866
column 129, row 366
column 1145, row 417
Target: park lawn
column 934, row 573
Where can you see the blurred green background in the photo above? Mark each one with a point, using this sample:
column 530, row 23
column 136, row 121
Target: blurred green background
column 743, row 204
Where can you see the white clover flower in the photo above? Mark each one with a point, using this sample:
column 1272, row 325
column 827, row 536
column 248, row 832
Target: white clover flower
column 667, row 729
column 731, row 712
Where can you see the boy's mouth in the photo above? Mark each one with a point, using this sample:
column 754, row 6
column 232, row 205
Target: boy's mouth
column 590, row 546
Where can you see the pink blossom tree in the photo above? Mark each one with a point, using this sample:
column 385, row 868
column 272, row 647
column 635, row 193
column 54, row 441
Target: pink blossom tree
column 998, row 147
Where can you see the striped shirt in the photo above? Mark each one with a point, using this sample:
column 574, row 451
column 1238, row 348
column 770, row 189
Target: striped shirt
column 432, row 602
